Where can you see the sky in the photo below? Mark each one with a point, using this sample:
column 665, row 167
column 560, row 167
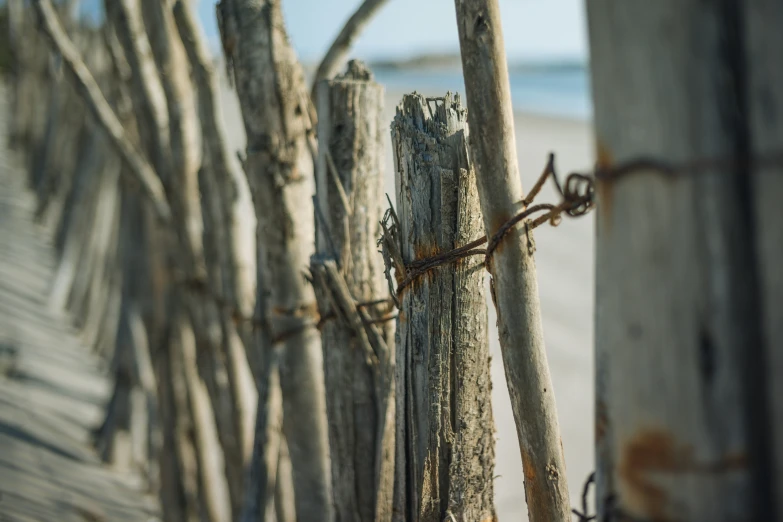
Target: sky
column 533, row 29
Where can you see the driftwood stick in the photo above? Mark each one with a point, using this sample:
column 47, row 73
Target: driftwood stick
column 514, row 284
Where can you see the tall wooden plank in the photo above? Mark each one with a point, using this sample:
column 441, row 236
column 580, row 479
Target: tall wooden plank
column 280, row 172
column 678, row 312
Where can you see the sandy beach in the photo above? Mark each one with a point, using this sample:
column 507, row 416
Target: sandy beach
column 564, row 260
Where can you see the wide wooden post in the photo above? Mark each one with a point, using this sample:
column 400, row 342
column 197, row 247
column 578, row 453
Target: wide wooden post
column 445, row 448
column 514, row 284
column 688, row 280
column 353, row 297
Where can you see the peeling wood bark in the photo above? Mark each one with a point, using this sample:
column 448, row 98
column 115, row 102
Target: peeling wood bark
column 445, row 430
column 358, row 358
column 512, row 266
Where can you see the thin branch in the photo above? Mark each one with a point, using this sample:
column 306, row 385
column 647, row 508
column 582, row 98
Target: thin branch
column 93, row 97
column 342, row 44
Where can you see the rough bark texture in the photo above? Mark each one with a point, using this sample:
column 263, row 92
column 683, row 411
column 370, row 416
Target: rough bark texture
column 514, row 285
column 279, row 168
column 347, row 270
column 445, row 431
column 688, row 306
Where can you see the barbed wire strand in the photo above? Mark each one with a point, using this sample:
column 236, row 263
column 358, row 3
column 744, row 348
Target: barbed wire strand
column 578, row 198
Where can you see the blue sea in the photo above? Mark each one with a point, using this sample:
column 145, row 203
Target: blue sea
column 560, row 92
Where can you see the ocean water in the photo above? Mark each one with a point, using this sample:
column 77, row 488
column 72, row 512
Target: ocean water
column 560, row 92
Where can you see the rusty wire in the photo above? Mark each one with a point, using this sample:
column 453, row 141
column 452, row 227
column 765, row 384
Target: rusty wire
column 202, row 287
column 582, row 515
column 577, row 199
column 611, row 511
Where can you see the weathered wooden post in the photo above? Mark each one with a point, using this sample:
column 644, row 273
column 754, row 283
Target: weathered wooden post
column 353, row 297
column 163, row 102
column 220, row 176
column 688, row 279
column 512, row 266
column 280, row 172
column 445, row 448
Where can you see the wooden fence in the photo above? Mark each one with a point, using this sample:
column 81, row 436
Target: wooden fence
column 320, row 379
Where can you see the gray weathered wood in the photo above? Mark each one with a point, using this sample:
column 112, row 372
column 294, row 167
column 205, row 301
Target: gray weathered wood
column 185, row 134
column 348, row 270
column 684, row 278
column 184, row 131
column 512, row 266
column 223, row 165
column 94, row 99
column 279, row 168
column 332, row 60
column 224, row 224
column 764, row 48
column 445, row 430
column 174, row 252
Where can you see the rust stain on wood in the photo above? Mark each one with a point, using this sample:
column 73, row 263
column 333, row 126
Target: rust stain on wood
column 421, row 251
column 534, row 495
column 655, row 451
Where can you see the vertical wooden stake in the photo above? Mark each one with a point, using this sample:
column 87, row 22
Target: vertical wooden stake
column 280, row 173
column 348, row 270
column 514, row 284
column 445, row 446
